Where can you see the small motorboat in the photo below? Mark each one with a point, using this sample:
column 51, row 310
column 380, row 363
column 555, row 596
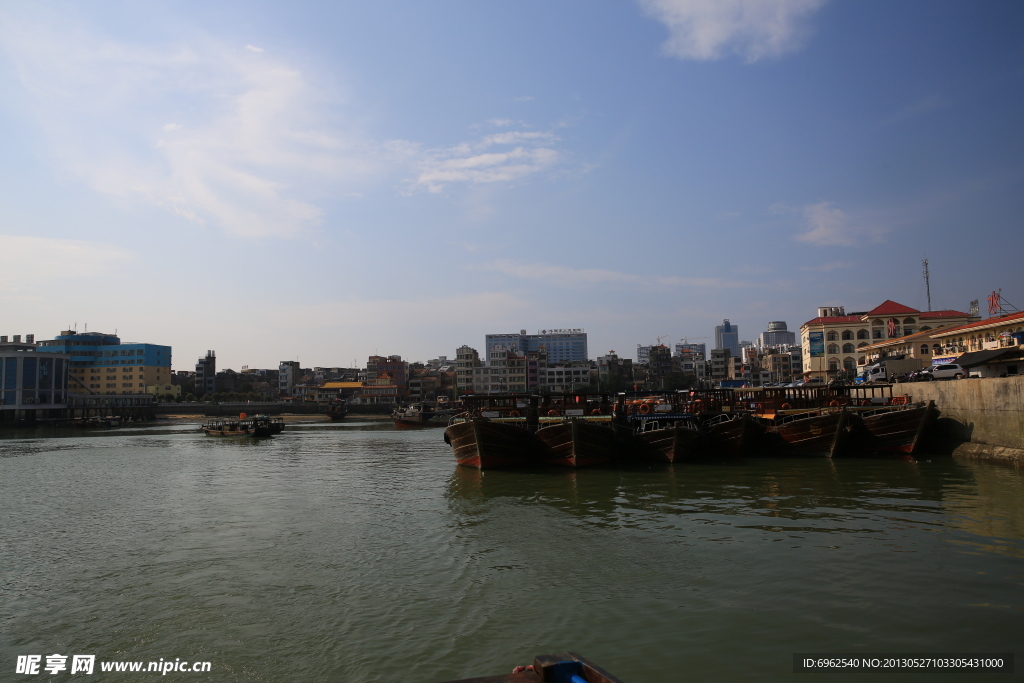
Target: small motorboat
column 567, row 667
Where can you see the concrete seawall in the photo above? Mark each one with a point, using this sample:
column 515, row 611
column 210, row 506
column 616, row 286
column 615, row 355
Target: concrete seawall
column 985, row 415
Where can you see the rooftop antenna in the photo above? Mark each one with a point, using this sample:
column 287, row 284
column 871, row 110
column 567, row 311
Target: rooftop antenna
column 927, row 285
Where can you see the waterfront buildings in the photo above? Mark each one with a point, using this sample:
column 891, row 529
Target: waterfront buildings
column 560, row 345
column 33, row 381
column 833, row 342
column 727, row 336
column 102, row 364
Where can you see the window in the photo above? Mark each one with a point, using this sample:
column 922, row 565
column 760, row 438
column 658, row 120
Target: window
column 833, row 364
column 862, row 344
column 847, row 334
column 849, row 364
column 862, row 360
column 924, row 349
column 876, row 334
column 847, row 348
column 831, row 335
column 833, row 348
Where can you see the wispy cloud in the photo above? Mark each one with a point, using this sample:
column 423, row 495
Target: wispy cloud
column 502, row 157
column 228, row 135
column 588, row 277
column 23, row 259
column 828, row 226
column 755, row 29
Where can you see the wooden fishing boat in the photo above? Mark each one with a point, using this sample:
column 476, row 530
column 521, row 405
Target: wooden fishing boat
column 337, row 410
column 734, row 435
column 895, row 429
column 816, row 433
column 577, row 443
column 668, row 440
column 564, row 667
column 486, row 444
column 412, row 416
column 258, row 425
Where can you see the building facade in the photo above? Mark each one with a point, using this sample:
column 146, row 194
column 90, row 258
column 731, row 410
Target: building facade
column 33, row 382
column 834, row 341
column 560, row 345
column 206, row 374
column 777, row 335
column 103, row 364
column 693, row 351
column 727, row 336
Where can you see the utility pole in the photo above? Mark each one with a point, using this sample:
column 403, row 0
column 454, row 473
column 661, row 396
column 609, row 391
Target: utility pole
column 927, row 285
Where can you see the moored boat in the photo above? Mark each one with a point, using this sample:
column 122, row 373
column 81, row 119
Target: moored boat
column 734, row 435
column 895, row 429
column 577, row 443
column 486, row 444
column 412, row 416
column 668, row 441
column 815, row 433
column 337, row 410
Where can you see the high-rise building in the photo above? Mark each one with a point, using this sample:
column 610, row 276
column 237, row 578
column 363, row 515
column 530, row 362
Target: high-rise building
column 777, row 335
column 206, row 374
column 727, row 336
column 103, row 364
column 561, row 345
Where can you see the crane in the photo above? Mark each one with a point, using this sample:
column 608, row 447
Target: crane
column 662, row 337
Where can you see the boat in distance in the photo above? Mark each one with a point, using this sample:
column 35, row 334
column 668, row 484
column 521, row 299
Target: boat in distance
column 257, row 425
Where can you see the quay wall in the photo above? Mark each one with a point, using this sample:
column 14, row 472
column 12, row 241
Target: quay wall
column 987, row 414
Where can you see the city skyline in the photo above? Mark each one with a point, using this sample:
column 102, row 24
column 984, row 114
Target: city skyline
column 325, row 183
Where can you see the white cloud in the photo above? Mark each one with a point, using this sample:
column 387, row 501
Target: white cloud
column 485, row 161
column 24, row 259
column 755, row 29
column 828, row 226
column 254, row 146
column 588, row 277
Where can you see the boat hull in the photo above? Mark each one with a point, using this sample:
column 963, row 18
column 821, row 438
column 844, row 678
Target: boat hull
column 896, row 431
column 820, row 434
column 488, row 445
column 671, row 444
column 736, row 438
column 577, row 443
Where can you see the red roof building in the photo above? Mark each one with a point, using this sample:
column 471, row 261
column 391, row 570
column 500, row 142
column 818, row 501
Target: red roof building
column 833, row 342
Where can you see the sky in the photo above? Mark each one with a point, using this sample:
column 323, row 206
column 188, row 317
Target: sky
column 324, row 181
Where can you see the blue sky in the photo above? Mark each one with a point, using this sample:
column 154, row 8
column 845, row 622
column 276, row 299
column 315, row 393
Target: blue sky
column 325, row 181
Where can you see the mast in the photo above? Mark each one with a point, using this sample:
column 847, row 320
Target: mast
column 927, row 285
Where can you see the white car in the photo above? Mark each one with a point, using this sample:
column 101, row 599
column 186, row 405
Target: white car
column 946, row 371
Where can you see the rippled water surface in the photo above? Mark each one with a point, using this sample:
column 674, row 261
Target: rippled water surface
column 358, row 553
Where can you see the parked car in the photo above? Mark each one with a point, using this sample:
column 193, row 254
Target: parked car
column 944, row 371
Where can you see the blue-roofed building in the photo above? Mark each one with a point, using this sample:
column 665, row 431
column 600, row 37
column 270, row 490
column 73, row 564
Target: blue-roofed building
column 103, row 364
